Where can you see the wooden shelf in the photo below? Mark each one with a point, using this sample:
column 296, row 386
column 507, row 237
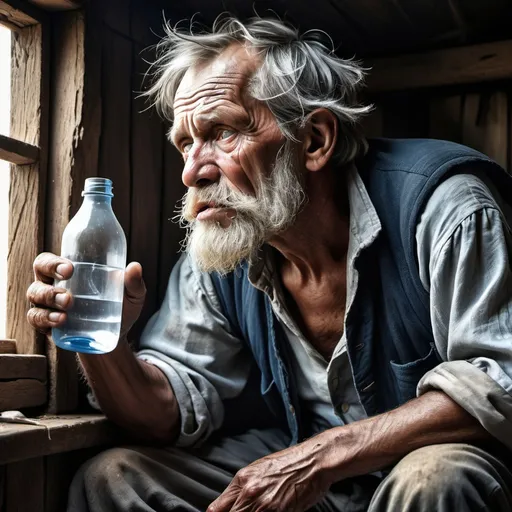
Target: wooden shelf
column 17, row 152
column 58, row 434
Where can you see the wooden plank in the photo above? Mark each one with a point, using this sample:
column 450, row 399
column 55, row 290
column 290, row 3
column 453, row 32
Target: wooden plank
column 147, row 136
column 57, row 435
column 15, row 14
column 116, row 15
column 7, row 346
column 485, row 124
column 116, row 92
column 18, row 152
column 445, row 118
column 171, row 234
column 22, row 366
column 29, row 117
column 76, row 128
column 57, row 5
column 22, row 393
column 464, row 65
column 24, row 486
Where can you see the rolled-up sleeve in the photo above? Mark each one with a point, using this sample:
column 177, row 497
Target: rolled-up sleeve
column 190, row 340
column 464, row 249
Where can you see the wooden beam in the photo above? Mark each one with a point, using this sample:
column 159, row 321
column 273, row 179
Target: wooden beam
column 18, row 14
column 57, row 5
column 29, row 118
column 22, row 393
column 56, row 435
column 18, row 152
column 14, row 17
column 452, row 66
column 7, row 346
column 22, row 366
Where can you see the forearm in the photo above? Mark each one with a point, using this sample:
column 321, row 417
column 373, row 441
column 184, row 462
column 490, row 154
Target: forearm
column 376, row 443
column 132, row 393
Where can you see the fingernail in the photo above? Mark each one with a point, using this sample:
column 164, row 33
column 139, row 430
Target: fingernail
column 61, row 299
column 54, row 317
column 60, row 269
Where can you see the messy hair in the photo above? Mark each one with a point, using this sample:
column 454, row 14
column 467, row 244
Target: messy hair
column 298, row 74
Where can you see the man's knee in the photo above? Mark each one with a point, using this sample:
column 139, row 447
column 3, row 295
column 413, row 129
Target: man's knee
column 442, row 478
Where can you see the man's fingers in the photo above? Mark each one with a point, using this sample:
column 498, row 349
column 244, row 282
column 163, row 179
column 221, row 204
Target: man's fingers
column 45, row 319
column 48, row 266
column 48, row 296
column 226, row 500
column 134, row 283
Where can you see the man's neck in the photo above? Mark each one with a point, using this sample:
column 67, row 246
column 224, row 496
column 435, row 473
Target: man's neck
column 318, row 239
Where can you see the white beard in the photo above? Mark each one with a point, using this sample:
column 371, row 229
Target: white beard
column 278, row 200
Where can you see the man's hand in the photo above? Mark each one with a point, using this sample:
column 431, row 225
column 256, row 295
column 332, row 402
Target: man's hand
column 50, row 303
column 292, row 480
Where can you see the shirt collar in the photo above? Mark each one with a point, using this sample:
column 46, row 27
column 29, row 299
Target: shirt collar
column 364, row 228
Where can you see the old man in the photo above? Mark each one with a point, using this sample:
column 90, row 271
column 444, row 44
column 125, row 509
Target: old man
column 338, row 334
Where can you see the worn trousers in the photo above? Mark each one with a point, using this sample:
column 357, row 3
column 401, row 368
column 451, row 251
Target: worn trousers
column 444, row 478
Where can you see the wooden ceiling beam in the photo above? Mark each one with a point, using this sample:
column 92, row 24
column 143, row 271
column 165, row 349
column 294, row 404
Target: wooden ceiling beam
column 452, row 66
column 58, row 5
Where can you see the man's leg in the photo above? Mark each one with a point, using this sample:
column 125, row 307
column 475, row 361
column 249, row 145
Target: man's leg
column 446, row 478
column 167, row 479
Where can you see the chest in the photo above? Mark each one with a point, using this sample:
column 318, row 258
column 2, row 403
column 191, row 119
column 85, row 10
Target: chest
column 319, row 310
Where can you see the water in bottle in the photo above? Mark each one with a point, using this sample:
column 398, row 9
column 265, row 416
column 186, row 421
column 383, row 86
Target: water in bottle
column 95, row 243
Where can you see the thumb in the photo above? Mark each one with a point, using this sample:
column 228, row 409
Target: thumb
column 134, row 283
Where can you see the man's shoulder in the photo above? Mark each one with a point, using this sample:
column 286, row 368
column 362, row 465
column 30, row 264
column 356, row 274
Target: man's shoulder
column 421, row 157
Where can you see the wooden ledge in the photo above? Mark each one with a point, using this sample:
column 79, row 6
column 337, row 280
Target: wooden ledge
column 57, row 434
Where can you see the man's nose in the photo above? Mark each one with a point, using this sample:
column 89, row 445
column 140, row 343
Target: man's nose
column 200, row 169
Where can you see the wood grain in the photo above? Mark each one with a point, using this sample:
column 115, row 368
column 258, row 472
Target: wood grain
column 29, row 117
column 58, row 5
column 22, row 393
column 147, row 136
column 16, row 16
column 485, row 124
column 463, row 65
column 7, row 346
column 23, row 366
column 18, row 152
column 74, row 152
column 116, row 91
column 57, row 435
column 25, row 484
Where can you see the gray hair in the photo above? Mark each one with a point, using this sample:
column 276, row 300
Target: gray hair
column 298, row 75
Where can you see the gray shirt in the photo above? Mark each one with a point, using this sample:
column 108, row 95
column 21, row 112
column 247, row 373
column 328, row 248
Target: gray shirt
column 464, row 242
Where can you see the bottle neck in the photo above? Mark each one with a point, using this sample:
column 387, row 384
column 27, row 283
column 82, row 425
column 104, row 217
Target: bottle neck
column 97, row 200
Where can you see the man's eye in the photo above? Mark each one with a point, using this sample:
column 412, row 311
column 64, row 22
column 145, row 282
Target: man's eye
column 225, row 134
column 186, row 147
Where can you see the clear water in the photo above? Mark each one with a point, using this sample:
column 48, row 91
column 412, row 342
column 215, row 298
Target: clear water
column 94, row 319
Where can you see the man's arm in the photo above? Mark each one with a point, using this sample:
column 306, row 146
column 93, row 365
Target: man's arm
column 134, row 394
column 296, row 478
column 376, row 443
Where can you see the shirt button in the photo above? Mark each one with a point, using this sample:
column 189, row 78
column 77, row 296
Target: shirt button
column 345, row 407
column 292, row 409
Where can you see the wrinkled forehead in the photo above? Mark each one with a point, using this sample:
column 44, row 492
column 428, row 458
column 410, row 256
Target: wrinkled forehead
column 232, row 70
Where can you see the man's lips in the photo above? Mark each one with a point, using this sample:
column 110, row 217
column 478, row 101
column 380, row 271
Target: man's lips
column 212, row 212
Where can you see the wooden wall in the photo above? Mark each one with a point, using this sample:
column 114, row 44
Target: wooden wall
column 133, row 150
column 478, row 116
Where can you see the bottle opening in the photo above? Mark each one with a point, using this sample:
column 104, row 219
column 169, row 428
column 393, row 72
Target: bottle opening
column 98, row 186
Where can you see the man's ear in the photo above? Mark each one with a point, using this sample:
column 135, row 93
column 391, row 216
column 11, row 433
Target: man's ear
column 320, row 134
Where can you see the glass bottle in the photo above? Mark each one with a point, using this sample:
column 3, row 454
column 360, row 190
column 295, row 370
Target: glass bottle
column 95, row 243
